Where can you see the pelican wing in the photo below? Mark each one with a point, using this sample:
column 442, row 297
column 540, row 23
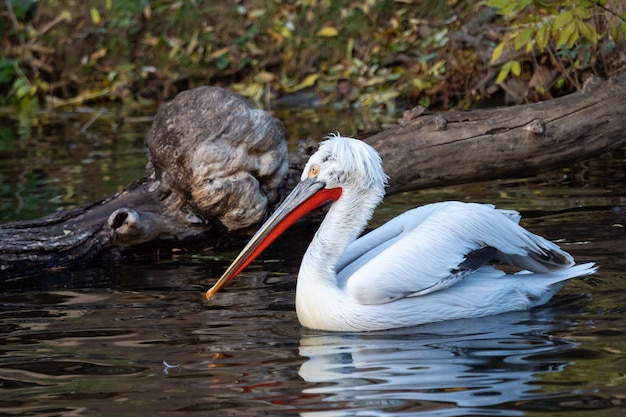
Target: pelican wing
column 369, row 246
column 435, row 246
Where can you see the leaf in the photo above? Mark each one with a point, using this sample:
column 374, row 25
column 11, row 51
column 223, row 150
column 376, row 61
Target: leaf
column 349, row 49
column 523, row 38
column 285, row 32
column 566, row 33
column 561, row 20
column 327, row 32
column 95, row 16
column 497, row 52
column 23, row 91
column 309, row 81
column 147, row 12
column 504, row 72
column 65, row 14
column 573, row 39
column 511, row 8
column 425, row 58
column 516, row 68
column 438, row 68
column 582, row 12
column 218, row 53
column 560, row 82
column 588, row 31
column 546, row 5
column 98, row 54
column 275, row 34
column 542, row 37
column 616, row 33
column 253, row 91
column 498, row 4
column 508, row 10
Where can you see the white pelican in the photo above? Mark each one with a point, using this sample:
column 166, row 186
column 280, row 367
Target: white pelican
column 425, row 265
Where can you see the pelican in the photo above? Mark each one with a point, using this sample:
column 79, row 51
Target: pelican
column 429, row 264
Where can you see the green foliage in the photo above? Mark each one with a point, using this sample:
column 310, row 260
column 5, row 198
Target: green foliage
column 19, row 56
column 324, row 44
column 21, row 91
column 21, row 8
column 564, row 27
column 347, row 52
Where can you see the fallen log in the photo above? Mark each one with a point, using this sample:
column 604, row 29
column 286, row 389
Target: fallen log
column 436, row 149
column 217, row 166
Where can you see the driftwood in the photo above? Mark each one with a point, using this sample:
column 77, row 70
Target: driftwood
column 217, row 167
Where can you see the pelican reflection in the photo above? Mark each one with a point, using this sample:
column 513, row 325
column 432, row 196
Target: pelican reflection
column 470, row 363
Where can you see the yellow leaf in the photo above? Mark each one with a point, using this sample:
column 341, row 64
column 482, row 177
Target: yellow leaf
column 327, row 32
column 217, row 53
column 256, row 13
column 349, row 48
column 309, row 81
column 276, row 35
column 516, row 68
column 147, row 12
column 253, row 91
column 523, row 38
column 65, row 14
column 264, row 77
column 95, row 16
column 503, row 73
column 98, row 54
column 509, row 67
column 497, row 52
column 285, row 32
column 150, row 40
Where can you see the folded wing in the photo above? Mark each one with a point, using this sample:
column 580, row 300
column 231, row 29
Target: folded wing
column 431, row 248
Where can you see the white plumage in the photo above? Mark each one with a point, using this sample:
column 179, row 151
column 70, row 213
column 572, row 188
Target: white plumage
column 425, row 265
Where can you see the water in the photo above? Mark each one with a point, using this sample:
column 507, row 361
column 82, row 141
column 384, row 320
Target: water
column 139, row 339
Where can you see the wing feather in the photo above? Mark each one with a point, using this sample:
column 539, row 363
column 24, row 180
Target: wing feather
column 424, row 250
column 366, row 248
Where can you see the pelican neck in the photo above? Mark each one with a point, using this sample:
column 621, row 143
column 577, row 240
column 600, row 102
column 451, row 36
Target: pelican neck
column 345, row 221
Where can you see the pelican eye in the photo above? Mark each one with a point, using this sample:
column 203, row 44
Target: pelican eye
column 314, row 171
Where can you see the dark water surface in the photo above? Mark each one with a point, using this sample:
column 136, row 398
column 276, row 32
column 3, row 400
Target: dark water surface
column 139, row 339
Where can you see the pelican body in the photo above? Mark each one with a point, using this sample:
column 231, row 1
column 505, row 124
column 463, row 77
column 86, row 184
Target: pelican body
column 429, row 264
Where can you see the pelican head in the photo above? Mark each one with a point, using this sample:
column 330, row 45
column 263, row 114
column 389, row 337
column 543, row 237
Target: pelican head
column 349, row 164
